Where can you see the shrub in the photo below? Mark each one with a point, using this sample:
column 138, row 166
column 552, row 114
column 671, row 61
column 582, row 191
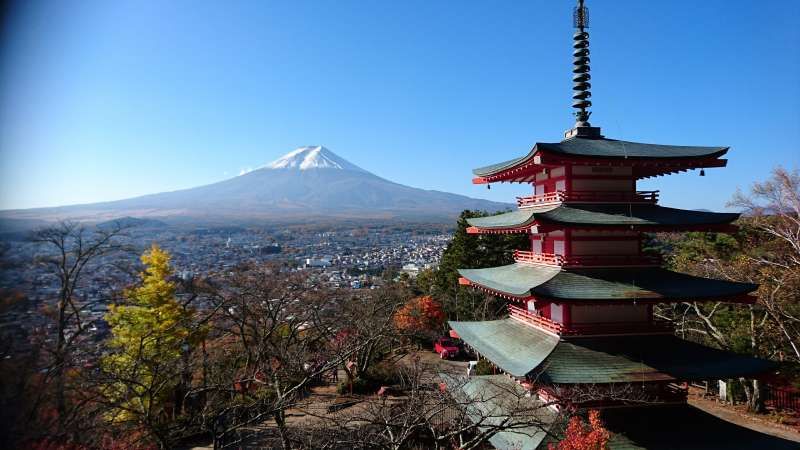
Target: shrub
column 484, row 368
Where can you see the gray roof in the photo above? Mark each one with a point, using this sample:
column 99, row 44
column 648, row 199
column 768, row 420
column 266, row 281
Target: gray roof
column 523, row 350
column 524, row 280
column 493, row 398
column 663, row 427
column 607, row 148
column 599, row 214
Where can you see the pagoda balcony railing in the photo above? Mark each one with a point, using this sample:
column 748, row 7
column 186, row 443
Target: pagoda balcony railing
column 576, row 329
column 649, row 197
column 535, row 319
column 550, row 259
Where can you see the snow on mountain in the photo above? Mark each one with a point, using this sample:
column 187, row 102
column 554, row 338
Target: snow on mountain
column 318, row 157
column 309, row 182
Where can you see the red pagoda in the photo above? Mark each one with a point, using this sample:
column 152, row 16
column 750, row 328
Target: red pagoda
column 581, row 297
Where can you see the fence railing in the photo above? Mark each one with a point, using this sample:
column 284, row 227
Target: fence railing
column 782, row 399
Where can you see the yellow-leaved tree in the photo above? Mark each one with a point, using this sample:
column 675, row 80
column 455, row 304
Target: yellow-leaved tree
column 152, row 335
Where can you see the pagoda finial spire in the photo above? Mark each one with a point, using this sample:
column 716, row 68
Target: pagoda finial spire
column 581, row 88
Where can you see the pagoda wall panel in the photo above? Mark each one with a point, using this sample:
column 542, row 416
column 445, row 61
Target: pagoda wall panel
column 615, row 247
column 602, row 170
column 603, row 185
column 588, row 314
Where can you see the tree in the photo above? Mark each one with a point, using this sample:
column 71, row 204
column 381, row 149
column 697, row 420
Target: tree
column 420, row 316
column 582, row 436
column 152, row 334
column 765, row 251
column 773, row 208
column 469, row 251
column 275, row 335
column 68, row 251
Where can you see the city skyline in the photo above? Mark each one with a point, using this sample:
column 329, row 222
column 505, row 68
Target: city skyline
column 101, row 102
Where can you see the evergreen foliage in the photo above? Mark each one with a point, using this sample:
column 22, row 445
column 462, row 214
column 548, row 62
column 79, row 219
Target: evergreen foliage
column 472, row 251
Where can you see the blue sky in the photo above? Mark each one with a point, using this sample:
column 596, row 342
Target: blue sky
column 105, row 100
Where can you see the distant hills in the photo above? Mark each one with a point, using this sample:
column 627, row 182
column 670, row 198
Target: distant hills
column 307, row 183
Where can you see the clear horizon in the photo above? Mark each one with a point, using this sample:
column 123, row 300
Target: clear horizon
column 103, row 101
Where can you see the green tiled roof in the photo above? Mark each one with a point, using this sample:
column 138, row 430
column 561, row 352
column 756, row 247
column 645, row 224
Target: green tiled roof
column 523, row 350
column 593, row 214
column 607, row 148
column 514, row 279
column 522, row 280
column 612, row 148
column 499, row 167
column 513, row 346
column 625, row 359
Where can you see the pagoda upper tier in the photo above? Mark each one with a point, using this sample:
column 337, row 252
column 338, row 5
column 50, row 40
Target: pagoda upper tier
column 645, row 160
column 597, row 216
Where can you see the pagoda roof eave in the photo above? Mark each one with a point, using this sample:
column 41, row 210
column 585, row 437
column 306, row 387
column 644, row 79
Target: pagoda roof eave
column 526, row 351
column 581, row 150
column 601, row 215
column 618, row 285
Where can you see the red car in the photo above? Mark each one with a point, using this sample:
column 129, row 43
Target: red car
column 446, row 348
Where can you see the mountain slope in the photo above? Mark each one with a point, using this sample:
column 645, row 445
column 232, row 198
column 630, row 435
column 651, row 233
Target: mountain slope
column 309, row 182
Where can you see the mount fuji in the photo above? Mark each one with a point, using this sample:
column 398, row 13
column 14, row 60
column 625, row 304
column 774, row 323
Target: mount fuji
column 306, row 183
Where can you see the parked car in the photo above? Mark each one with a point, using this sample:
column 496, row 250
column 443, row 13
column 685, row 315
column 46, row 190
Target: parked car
column 446, row 348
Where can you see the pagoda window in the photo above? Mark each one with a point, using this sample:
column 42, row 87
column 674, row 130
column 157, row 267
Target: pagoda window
column 536, row 246
column 557, row 313
column 558, row 247
column 532, row 307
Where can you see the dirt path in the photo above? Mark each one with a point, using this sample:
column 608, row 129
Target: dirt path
column 759, row 423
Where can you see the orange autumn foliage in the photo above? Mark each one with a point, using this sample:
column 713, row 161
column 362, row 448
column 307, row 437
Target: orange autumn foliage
column 420, row 314
column 582, row 436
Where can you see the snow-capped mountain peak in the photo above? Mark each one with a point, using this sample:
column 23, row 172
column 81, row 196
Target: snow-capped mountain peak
column 314, row 157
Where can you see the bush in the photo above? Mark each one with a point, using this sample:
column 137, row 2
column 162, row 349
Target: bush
column 382, row 374
column 360, row 386
column 484, row 368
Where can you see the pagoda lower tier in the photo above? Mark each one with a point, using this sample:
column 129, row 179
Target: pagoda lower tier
column 525, row 351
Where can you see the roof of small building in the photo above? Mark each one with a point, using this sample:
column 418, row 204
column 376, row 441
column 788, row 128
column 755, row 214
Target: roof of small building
column 525, row 280
column 493, row 398
column 646, row 427
column 523, row 350
column 600, row 214
column 607, row 148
